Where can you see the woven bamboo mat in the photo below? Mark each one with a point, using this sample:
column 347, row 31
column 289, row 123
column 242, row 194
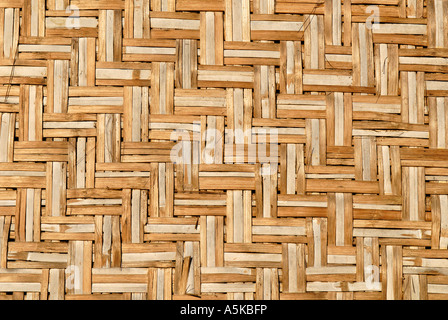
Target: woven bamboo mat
column 225, row 149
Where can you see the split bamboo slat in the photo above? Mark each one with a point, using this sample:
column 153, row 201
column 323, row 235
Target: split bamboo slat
column 224, row 149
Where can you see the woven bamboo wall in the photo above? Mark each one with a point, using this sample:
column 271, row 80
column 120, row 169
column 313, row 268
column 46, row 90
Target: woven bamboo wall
column 345, row 102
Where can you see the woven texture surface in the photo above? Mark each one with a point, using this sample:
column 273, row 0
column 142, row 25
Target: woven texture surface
column 225, row 149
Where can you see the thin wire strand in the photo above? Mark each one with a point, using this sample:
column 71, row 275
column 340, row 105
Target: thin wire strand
column 11, row 76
